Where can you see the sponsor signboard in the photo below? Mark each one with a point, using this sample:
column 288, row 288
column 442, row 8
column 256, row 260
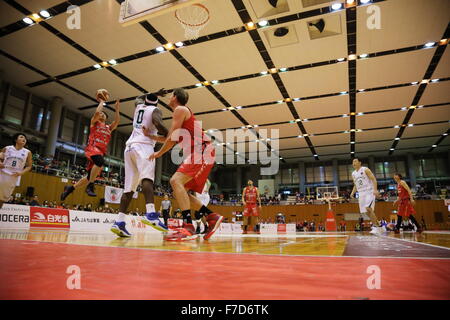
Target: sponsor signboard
column 14, row 216
column 49, row 218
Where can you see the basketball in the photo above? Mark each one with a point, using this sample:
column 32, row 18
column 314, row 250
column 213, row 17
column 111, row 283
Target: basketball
column 102, row 94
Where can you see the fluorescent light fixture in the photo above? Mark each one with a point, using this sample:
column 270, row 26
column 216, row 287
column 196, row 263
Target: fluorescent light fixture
column 179, row 44
column 215, row 81
column 159, row 49
column 340, row 59
column 28, row 20
column 112, row 61
column 97, row 66
column 283, row 69
column 44, row 14
column 198, row 84
column 336, row 6
column 263, row 23
column 364, row 55
column 429, row 44
column 263, row 72
column 434, row 145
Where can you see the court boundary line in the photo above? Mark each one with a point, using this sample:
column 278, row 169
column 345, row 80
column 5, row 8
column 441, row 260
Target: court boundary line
column 423, row 243
column 235, row 253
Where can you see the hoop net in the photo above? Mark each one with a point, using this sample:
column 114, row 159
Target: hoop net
column 193, row 19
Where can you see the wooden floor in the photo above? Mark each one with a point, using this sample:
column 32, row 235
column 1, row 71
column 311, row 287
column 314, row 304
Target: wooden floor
column 298, row 266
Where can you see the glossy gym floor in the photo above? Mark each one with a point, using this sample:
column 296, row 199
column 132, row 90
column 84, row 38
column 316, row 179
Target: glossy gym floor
column 39, row 264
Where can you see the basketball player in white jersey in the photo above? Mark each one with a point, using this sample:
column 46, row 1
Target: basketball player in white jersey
column 15, row 161
column 204, row 199
column 138, row 168
column 366, row 185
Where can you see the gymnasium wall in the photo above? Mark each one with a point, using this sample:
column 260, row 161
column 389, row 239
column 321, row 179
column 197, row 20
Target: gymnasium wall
column 50, row 188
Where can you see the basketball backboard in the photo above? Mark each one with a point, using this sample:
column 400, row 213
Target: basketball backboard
column 133, row 11
column 327, row 193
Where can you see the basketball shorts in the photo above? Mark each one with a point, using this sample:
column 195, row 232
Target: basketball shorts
column 7, row 185
column 198, row 171
column 366, row 200
column 251, row 210
column 405, row 208
column 137, row 165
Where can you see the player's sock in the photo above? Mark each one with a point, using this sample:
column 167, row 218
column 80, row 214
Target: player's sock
column 121, row 217
column 187, row 216
column 150, row 207
column 205, row 210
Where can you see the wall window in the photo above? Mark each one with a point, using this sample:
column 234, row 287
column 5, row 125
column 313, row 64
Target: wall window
column 67, row 131
column 14, row 109
column 319, row 173
column 430, row 167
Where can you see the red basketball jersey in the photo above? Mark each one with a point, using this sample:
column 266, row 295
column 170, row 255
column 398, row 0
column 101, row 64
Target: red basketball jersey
column 402, row 192
column 250, row 195
column 99, row 136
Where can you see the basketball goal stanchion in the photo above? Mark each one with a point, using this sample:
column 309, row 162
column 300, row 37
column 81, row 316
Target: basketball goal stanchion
column 329, row 194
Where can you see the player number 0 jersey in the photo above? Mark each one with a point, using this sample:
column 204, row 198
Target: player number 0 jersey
column 142, row 117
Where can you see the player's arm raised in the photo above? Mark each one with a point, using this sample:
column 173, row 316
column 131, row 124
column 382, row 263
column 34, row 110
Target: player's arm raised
column 158, row 123
column 374, row 181
column 179, row 115
column 405, row 185
column 96, row 115
column 116, row 121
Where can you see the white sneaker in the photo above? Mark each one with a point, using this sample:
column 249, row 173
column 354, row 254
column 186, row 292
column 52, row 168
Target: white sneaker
column 374, row 230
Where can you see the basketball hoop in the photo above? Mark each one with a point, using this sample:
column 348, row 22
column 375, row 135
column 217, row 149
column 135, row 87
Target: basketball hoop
column 193, row 19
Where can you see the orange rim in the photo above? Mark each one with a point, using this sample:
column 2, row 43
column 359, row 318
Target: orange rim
column 193, row 25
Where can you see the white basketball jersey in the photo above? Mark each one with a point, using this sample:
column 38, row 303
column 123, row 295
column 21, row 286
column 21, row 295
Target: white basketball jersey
column 362, row 181
column 15, row 160
column 142, row 117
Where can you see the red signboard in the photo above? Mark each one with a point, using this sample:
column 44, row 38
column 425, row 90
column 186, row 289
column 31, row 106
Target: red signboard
column 281, row 228
column 330, row 224
column 49, row 218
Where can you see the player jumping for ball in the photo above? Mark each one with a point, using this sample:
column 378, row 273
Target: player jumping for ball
column 15, row 160
column 99, row 136
column 366, row 185
column 193, row 172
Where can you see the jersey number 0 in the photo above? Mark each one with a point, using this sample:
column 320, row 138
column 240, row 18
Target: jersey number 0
column 140, row 116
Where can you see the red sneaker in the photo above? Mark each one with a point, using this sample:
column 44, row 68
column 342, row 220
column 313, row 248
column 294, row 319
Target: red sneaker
column 189, row 227
column 214, row 220
column 180, row 234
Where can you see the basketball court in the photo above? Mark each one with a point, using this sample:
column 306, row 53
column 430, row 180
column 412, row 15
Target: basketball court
column 335, row 79
column 299, row 266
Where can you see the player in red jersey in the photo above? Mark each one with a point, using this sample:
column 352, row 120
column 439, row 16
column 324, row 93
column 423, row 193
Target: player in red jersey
column 405, row 202
column 193, row 172
column 249, row 196
column 99, row 136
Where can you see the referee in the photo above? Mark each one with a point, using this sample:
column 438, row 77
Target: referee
column 166, row 208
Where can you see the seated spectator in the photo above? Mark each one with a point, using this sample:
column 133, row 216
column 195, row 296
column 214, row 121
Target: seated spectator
column 35, row 201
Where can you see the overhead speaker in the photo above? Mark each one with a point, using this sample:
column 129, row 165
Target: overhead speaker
column 281, row 32
column 320, row 25
column 273, row 3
